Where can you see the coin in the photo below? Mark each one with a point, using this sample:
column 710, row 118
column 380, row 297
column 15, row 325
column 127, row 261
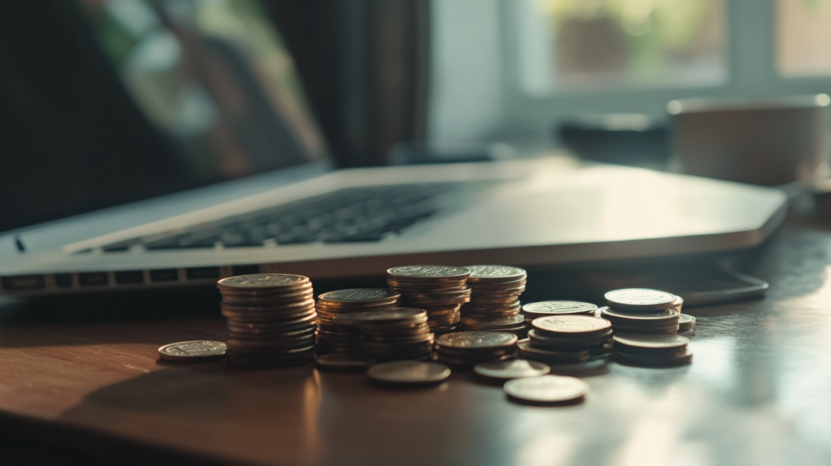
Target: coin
column 546, row 389
column 343, row 362
column 514, row 369
column 401, row 315
column 477, row 340
column 686, row 322
column 496, row 286
column 646, row 343
column 280, row 308
column 494, row 273
column 642, row 318
column 193, row 351
column 427, row 286
column 409, row 373
column 261, row 281
column 468, row 362
column 678, row 303
column 538, row 339
column 677, row 359
column 545, row 308
column 571, row 325
column 561, row 356
column 359, row 297
column 639, row 299
column 266, row 300
column 427, row 273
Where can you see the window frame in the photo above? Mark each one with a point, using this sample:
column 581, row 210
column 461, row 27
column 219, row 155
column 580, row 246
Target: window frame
column 751, row 72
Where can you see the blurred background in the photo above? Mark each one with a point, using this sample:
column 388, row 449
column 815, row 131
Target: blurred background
column 206, row 90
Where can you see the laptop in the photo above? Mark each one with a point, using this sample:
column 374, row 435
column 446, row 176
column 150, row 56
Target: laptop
column 250, row 186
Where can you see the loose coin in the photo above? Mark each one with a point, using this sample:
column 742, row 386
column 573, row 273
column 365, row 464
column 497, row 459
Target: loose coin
column 427, row 273
column 678, row 359
column 514, row 369
column 193, row 351
column 409, row 373
column 640, row 299
column 546, row 389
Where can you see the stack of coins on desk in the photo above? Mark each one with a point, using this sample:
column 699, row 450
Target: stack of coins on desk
column 652, row 350
column 466, row 349
column 686, row 325
column 567, row 339
column 400, row 333
column 271, row 320
column 494, row 302
column 336, row 337
column 438, row 289
column 533, row 311
column 642, row 311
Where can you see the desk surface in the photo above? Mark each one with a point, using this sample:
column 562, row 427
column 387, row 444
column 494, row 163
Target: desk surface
column 757, row 393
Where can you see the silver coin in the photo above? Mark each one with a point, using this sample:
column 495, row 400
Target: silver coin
column 262, row 280
column 558, row 308
column 514, row 369
column 359, row 296
column 640, row 299
column 678, row 303
column 546, row 389
column 193, row 351
column 686, row 322
column 654, row 317
column 494, row 273
column 476, row 340
column 571, row 325
column 422, row 273
column 401, row 315
column 650, row 342
column 409, row 373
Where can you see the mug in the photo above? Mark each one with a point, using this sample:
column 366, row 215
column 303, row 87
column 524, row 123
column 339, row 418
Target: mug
column 766, row 142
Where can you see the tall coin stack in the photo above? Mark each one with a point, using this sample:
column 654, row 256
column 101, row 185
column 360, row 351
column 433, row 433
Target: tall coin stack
column 438, row 289
column 642, row 311
column 337, row 337
column 271, row 320
column 567, row 339
column 494, row 302
column 466, row 349
column 400, row 333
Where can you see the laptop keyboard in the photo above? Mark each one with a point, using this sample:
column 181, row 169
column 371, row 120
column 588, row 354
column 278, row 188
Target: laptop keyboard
column 351, row 215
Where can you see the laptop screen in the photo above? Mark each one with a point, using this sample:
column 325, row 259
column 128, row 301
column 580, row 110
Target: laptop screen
column 211, row 77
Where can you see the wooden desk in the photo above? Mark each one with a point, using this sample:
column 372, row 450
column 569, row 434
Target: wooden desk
column 758, row 393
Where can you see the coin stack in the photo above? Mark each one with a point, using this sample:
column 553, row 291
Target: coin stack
column 686, row 326
column 335, row 337
column 567, row 339
column 494, row 302
column 652, row 350
column 438, row 289
column 466, row 349
column 642, row 311
column 400, row 333
column 271, row 320
column 556, row 308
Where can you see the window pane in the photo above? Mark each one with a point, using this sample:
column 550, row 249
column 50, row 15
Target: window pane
column 620, row 43
column 803, row 39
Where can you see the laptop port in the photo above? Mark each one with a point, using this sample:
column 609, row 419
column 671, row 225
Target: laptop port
column 164, row 275
column 202, row 273
column 93, row 279
column 24, row 282
column 130, row 277
column 63, row 280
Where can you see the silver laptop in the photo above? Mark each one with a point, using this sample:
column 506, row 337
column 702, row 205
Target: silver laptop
column 270, row 200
